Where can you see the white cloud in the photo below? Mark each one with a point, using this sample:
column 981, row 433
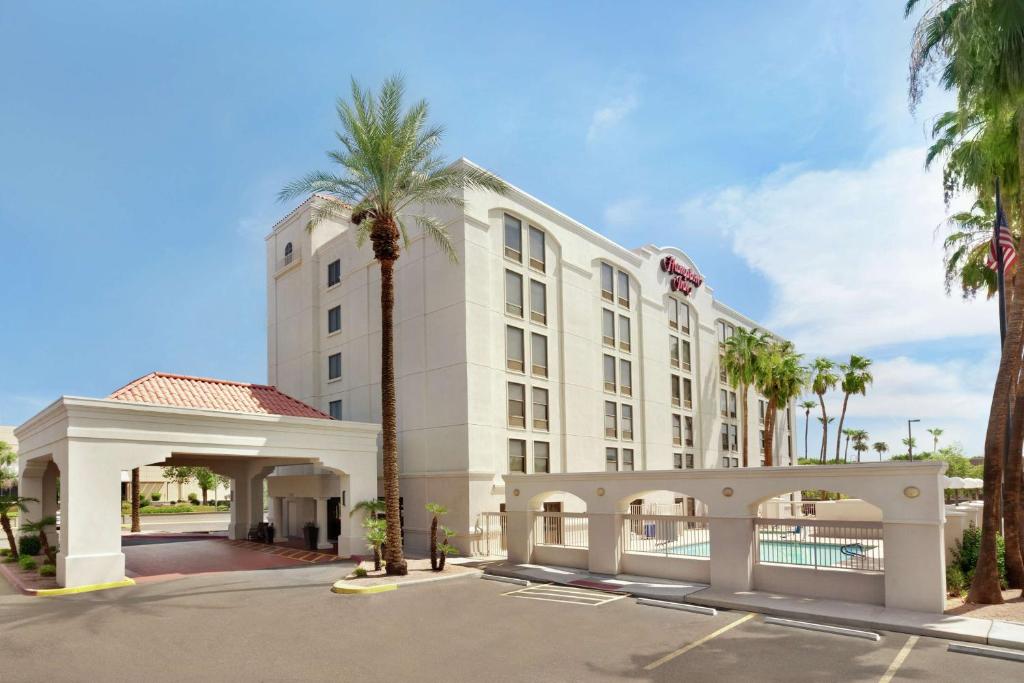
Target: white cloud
column 624, row 212
column 611, row 114
column 852, row 253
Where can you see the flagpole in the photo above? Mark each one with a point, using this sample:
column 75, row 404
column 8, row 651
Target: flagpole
column 1000, row 279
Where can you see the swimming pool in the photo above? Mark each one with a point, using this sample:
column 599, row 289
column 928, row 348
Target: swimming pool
column 779, row 552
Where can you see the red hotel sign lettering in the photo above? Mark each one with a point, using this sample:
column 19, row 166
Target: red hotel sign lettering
column 682, row 279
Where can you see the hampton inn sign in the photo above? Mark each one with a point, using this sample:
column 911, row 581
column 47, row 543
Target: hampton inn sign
column 682, row 279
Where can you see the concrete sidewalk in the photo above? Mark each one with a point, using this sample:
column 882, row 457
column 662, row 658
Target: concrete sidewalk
column 876, row 617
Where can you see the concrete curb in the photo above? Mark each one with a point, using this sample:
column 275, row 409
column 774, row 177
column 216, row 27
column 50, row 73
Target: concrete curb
column 344, row 587
column 20, row 586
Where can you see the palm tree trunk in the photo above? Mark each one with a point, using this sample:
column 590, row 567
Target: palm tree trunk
column 744, row 424
column 985, row 587
column 136, row 522
column 45, row 543
column 824, row 427
column 807, row 429
column 394, row 559
column 433, row 542
column 5, row 522
column 1011, row 510
column 839, row 429
column 769, row 433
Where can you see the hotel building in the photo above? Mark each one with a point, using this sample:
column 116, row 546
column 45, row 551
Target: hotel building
column 546, row 347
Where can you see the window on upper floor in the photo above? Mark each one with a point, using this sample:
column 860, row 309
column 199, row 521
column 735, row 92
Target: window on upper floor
column 625, row 378
column 677, row 430
column 334, row 366
column 627, row 422
column 538, row 302
column 762, row 409
column 513, row 293
column 684, row 354
column 726, row 461
column 539, row 355
column 517, row 455
column 514, row 351
column 541, row 457
column 610, row 420
column 334, row 409
column 725, row 331
column 725, row 437
column 684, row 317
column 732, row 405
column 687, row 393
column 288, row 253
column 611, row 460
column 676, row 391
column 677, row 461
column 607, row 282
column 673, row 351
column 623, row 286
column 334, row 319
column 762, row 442
column 688, row 430
column 333, row 272
column 627, row 459
column 733, row 438
column 624, row 335
column 607, row 327
column 689, row 461
column 540, row 409
column 538, row 258
column 513, row 238
column 609, row 373
column 516, row 405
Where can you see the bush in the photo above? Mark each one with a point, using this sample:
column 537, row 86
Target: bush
column 48, row 570
column 156, row 496
column 143, row 501
column 9, row 559
column 956, row 582
column 26, row 562
column 29, row 545
column 193, row 498
column 360, row 572
column 965, row 554
column 4, row 552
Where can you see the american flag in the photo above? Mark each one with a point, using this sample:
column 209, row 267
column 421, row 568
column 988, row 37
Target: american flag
column 1005, row 243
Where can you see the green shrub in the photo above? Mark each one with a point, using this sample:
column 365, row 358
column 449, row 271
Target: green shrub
column 360, row 572
column 193, row 498
column 26, row 562
column 956, row 582
column 9, row 559
column 48, row 570
column 29, row 545
column 965, row 554
column 156, row 496
column 4, row 552
column 143, row 501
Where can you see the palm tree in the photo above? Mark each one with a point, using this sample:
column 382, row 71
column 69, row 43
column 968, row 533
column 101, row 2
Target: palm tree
column 780, row 378
column 846, row 452
column 823, row 380
column 435, row 511
column 8, row 504
column 936, row 433
column 808, row 406
column 855, row 380
column 880, row 447
column 910, row 442
column 39, row 528
column 860, row 442
column 740, row 365
column 136, row 519
column 390, row 168
column 978, row 48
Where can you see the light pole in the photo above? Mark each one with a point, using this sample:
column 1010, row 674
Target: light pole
column 910, row 440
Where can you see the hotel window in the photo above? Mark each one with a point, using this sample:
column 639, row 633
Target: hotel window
column 723, row 376
column 516, row 405
column 517, row 455
column 607, row 327
column 538, row 302
column 288, row 253
column 675, row 391
column 762, row 442
column 735, row 462
column 334, row 366
column 726, row 462
column 334, row 319
column 514, row 351
column 514, row 294
column 627, row 459
column 725, row 331
column 623, row 284
column 609, row 373
column 733, row 441
column 673, row 351
column 541, row 457
column 611, row 460
column 538, row 259
column 627, row 422
column 607, row 282
column 333, row 272
column 677, row 461
column 684, row 317
column 624, row 336
column 687, row 393
column 689, row 461
column 725, row 438
column 673, row 314
column 732, row 404
column 513, row 239
column 762, row 408
column 684, row 356
column 625, row 378
column 540, row 408
column 689, row 430
column 334, row 409
column 539, row 354
column 677, row 430
column 610, row 420
column 723, row 397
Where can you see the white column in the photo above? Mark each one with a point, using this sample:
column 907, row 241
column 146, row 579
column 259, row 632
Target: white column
column 277, row 517
column 915, row 566
column 603, row 531
column 321, row 521
column 732, row 553
column 238, row 528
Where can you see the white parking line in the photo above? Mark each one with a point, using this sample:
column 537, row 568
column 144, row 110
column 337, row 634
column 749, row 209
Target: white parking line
column 697, row 643
column 901, row 657
column 565, row 594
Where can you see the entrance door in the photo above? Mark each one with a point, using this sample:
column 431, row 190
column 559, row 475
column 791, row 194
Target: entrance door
column 553, row 525
column 333, row 521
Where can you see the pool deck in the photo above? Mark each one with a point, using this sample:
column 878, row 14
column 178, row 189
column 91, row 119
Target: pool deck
column 968, row 629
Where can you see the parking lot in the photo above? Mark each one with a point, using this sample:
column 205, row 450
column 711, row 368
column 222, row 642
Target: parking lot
column 286, row 625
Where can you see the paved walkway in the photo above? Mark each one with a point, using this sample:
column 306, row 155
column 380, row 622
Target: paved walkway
column 988, row 631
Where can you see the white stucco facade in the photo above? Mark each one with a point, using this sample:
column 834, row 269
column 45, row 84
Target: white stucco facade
column 459, row 369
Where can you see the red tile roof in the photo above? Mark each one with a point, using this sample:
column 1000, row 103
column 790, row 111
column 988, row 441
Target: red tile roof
column 182, row 391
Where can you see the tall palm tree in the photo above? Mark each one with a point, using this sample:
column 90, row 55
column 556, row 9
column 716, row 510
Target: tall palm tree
column 978, row 48
column 860, row 442
column 881, row 448
column 136, row 519
column 855, row 380
column 823, row 380
column 936, row 433
column 390, row 169
column 846, row 451
column 808, row 406
column 780, row 378
column 740, row 364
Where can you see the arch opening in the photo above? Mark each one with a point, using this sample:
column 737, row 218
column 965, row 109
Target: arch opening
column 668, row 523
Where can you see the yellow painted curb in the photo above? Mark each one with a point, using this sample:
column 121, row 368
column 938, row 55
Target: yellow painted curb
column 343, row 589
column 85, row 589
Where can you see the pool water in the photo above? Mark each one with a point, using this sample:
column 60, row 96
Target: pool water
column 779, row 552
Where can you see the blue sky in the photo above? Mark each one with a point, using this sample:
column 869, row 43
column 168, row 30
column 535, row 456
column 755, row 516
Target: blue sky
column 144, row 143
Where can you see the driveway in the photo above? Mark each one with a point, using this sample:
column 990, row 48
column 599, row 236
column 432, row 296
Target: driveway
column 286, row 625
